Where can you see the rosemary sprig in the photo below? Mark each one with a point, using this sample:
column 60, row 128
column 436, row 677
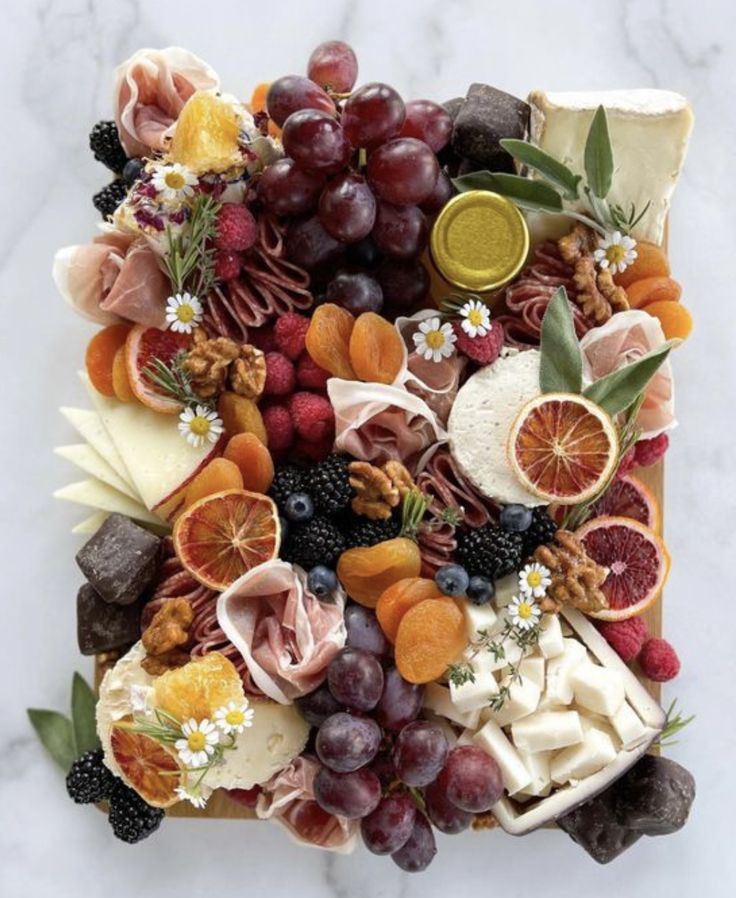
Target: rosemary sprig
column 172, row 380
column 673, row 725
column 190, row 258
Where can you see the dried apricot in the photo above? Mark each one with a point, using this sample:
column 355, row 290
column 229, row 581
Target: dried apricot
column 367, row 572
column 100, row 356
column 431, row 636
column 120, row 380
column 258, row 104
column 253, row 459
column 328, row 340
column 651, row 262
column 241, row 415
column 216, row 476
column 657, row 289
column 376, row 349
column 399, row 598
column 676, row 321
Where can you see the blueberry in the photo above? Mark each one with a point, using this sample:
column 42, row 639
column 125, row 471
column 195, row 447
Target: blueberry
column 299, row 507
column 452, row 579
column 480, row 590
column 321, row 581
column 516, row 518
column 132, row 170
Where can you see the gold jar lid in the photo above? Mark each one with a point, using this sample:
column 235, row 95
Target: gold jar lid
column 479, row 241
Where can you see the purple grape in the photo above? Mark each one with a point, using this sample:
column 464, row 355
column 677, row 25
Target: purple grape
column 418, row 852
column 345, row 743
column 315, row 707
column 387, row 828
column 442, row 812
column 333, row 65
column 400, row 231
column 427, row 121
column 315, row 141
column 405, row 283
column 364, row 631
column 400, row 702
column 347, row 208
column 292, row 93
column 383, row 767
column 420, row 752
column 352, row 795
column 364, row 253
column 372, row 115
column 285, row 189
column 403, row 171
column 441, row 193
column 356, row 291
column 309, row 245
column 471, row 779
column 355, row 678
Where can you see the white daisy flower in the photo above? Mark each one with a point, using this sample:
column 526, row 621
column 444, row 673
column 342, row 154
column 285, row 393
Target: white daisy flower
column 525, row 612
column 534, row 580
column 198, row 743
column 234, row 717
column 616, row 251
column 195, row 798
column 183, row 313
column 199, row 424
column 434, row 340
column 173, row 181
column 476, row 318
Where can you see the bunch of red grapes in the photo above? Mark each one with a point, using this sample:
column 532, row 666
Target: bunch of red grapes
column 359, row 179
column 381, row 763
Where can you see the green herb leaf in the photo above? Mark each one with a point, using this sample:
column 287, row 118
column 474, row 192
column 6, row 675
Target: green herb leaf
column 84, row 719
column 558, row 174
column 561, row 366
column 536, row 196
column 599, row 155
column 56, row 734
column 617, row 391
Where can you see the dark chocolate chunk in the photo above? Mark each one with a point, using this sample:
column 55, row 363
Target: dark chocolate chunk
column 102, row 626
column 486, row 117
column 655, row 796
column 453, row 106
column 596, row 828
column 120, row 559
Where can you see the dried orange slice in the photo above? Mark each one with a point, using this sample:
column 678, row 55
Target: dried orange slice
column 221, row 537
column 563, row 447
column 628, row 497
column 206, row 134
column 147, row 766
column 198, row 688
column 143, row 346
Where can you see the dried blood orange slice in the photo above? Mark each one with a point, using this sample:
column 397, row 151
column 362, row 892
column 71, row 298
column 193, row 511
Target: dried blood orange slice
column 143, row 346
column 563, row 447
column 221, row 537
column 628, row 497
column 637, row 560
column 147, row 766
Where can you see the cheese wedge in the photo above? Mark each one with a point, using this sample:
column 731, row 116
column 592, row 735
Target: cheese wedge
column 91, row 524
column 88, row 460
column 89, row 426
column 96, row 494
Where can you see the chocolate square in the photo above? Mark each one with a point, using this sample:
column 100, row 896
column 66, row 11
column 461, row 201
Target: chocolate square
column 102, row 626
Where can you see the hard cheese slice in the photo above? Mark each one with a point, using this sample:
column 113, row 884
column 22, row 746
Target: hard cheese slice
column 88, row 425
column 88, row 460
column 91, row 524
column 96, row 494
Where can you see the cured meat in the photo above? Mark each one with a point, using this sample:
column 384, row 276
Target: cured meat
column 140, row 290
column 436, row 540
column 447, row 487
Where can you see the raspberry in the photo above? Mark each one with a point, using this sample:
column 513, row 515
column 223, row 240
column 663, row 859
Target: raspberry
column 626, row 637
column 262, row 338
column 483, row 350
column 280, row 376
column 659, row 661
column 227, row 265
column 313, row 417
column 279, row 427
column 314, row 452
column 309, row 375
column 289, row 333
column 649, row 452
column 627, row 464
column 236, row 228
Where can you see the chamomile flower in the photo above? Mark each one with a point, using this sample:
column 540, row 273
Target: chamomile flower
column 173, row 181
column 616, row 251
column 198, row 744
column 234, row 717
column 525, row 612
column 434, row 340
column 183, row 312
column 199, row 424
column 534, row 580
column 195, row 798
column 476, row 318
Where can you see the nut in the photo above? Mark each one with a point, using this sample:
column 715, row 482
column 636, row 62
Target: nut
column 248, row 373
column 158, row 664
column 597, row 295
column 399, row 476
column 576, row 578
column 207, row 363
column 579, row 242
column 375, row 494
column 169, row 627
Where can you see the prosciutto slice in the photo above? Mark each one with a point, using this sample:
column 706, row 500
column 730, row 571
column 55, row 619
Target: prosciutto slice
column 285, row 634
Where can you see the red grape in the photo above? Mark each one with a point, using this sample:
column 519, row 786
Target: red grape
column 400, row 231
column 356, row 291
column 352, row 795
column 309, row 245
column 472, row 779
column 403, row 171
column 333, row 65
column 363, row 253
column 364, row 631
column 405, row 284
column 315, row 707
column 418, row 852
column 346, row 743
column 287, row 190
column 356, row 679
column 347, row 208
column 420, row 752
column 372, row 115
column 387, row 828
column 315, row 141
column 383, row 767
column 442, row 812
column 400, row 702
column 292, row 93
column 429, row 122
column 441, row 193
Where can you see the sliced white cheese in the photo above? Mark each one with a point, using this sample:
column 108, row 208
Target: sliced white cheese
column 89, row 426
column 547, row 730
column 533, row 669
column 598, row 689
column 91, row 524
column 96, row 494
column 91, row 462
column 522, row 700
column 578, row 761
column 474, row 695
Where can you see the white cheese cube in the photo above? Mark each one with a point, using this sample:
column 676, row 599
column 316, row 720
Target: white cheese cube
column 506, row 589
column 560, row 669
column 522, row 700
column 628, row 726
column 533, row 669
column 550, row 636
column 475, row 695
column 467, row 737
column 437, row 698
column 537, row 763
column 547, row 730
column 597, row 688
column 578, row 761
column 478, row 618
column 492, row 739
column 512, row 653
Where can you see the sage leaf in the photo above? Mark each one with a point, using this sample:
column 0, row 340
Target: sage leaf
column 618, row 390
column 558, row 174
column 599, row 155
column 56, row 734
column 84, row 719
column 536, row 196
column 561, row 364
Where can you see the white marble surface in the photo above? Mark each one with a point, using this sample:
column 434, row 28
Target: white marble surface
column 56, row 58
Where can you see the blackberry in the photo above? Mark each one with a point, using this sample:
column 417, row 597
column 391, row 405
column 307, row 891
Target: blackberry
column 109, row 198
column 541, row 530
column 317, row 542
column 89, row 781
column 329, row 484
column 287, row 480
column 366, row 533
column 131, row 818
column 489, row 551
column 104, row 142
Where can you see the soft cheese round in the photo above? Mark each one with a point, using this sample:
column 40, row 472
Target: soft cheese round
column 481, row 419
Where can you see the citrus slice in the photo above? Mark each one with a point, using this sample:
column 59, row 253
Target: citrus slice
column 199, row 688
column 221, row 537
column 206, row 134
column 563, row 447
column 637, row 560
column 147, row 766
column 628, row 497
column 143, row 346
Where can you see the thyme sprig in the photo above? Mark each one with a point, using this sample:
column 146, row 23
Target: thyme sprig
column 190, row 256
column 173, row 381
column 674, row 724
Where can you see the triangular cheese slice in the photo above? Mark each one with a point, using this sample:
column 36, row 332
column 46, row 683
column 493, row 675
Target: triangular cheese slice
column 91, row 524
column 88, row 460
column 98, row 495
column 88, row 425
